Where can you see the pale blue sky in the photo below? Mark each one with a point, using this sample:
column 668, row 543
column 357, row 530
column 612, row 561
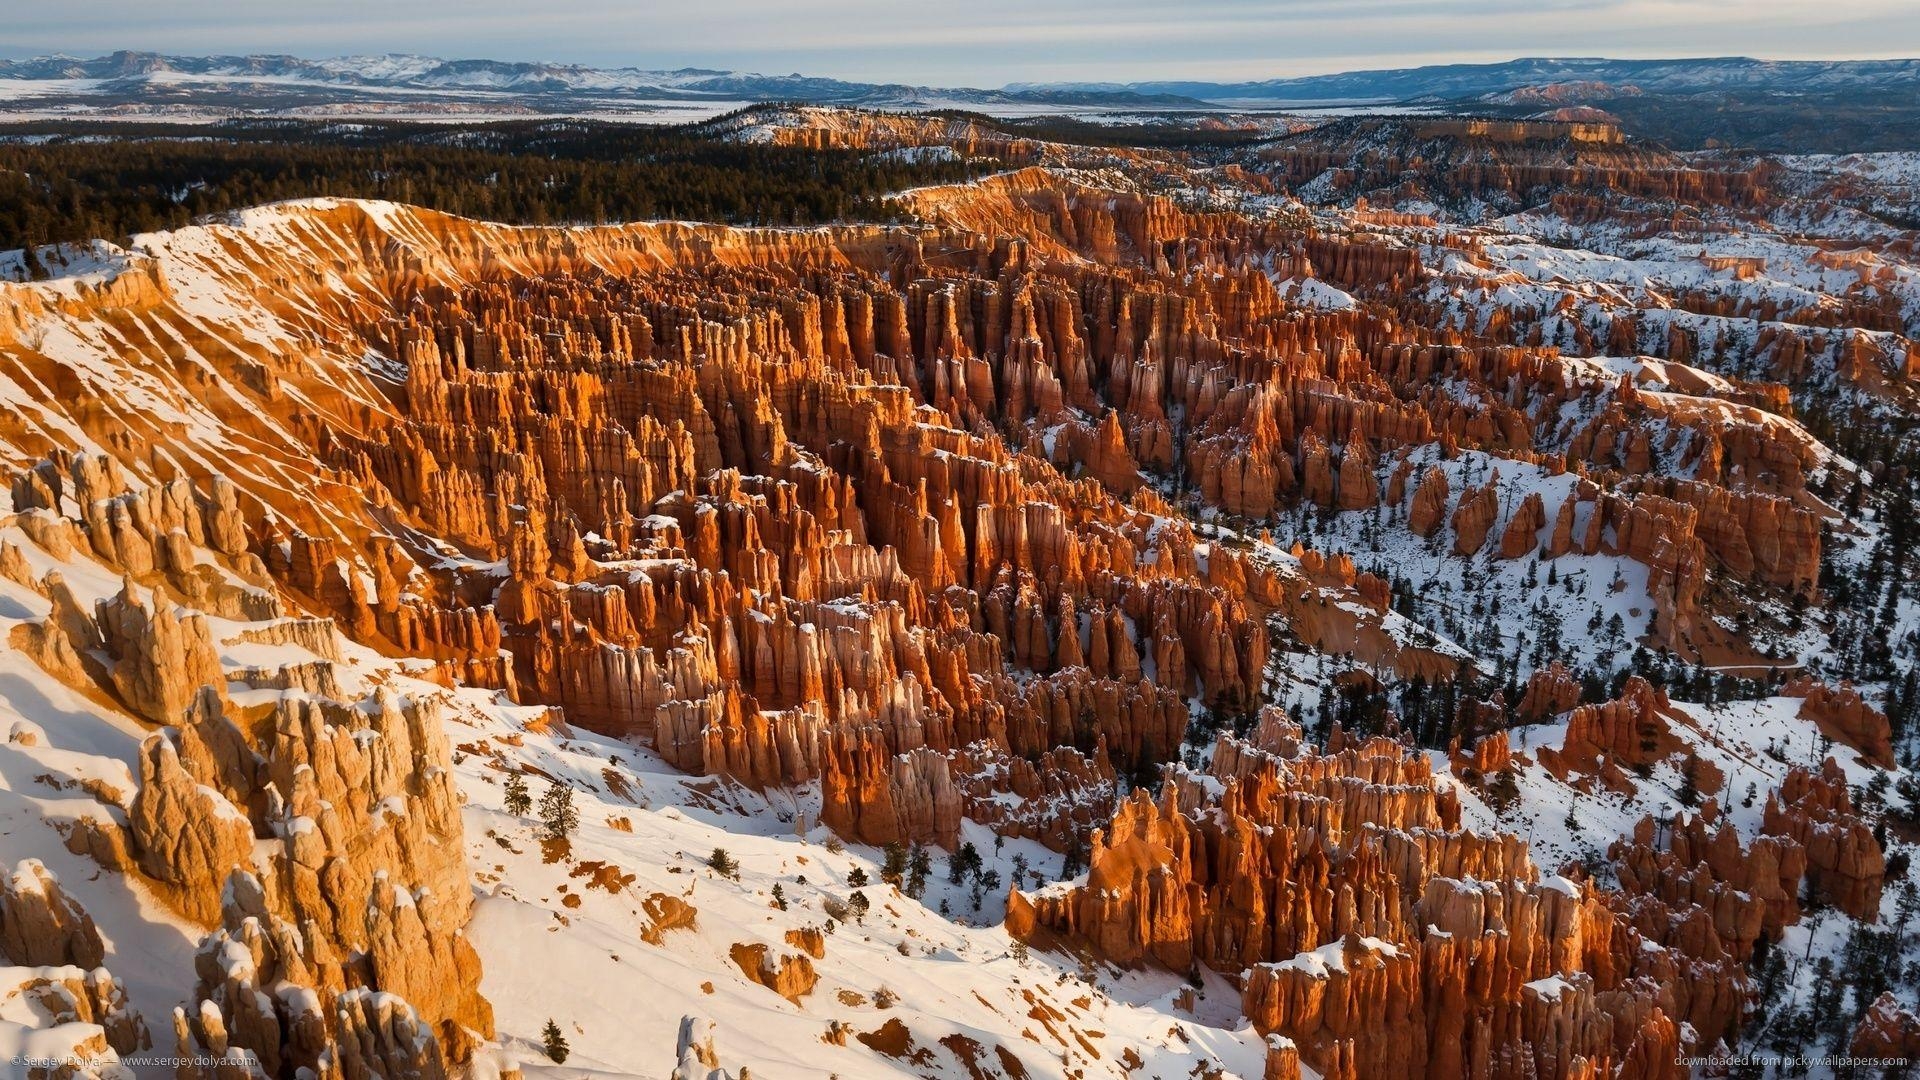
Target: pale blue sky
column 981, row 42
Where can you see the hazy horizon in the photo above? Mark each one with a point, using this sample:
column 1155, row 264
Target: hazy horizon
column 993, row 42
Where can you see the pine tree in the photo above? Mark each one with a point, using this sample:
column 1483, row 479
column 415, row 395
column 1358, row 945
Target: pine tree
column 779, row 897
column 1689, row 793
column 965, row 862
column 919, row 866
column 894, row 871
column 1075, row 859
column 857, row 877
column 1503, row 791
column 555, row 1042
column 557, row 812
column 720, row 862
column 518, row 801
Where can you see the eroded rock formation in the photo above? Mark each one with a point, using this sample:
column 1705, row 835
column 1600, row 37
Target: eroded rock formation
column 1846, row 717
column 1844, row 862
column 41, row 925
column 966, row 516
column 1601, row 740
column 319, row 838
column 1380, row 939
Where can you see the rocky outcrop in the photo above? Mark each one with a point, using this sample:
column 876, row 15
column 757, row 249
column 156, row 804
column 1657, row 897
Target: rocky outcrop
column 665, row 913
column 40, row 925
column 1335, row 609
column 1489, row 754
column 1283, row 1059
column 1378, row 938
column 1631, row 731
column 846, row 129
column 1845, row 717
column 792, row 976
column 1057, row 800
column 1429, row 503
column 185, row 836
column 1138, row 900
column 1550, row 691
column 809, row 940
column 335, row 822
column 1845, row 864
column 1517, row 162
column 1474, row 517
column 1745, row 890
column 1752, row 535
column 1358, row 488
column 1520, row 537
column 915, row 800
column 1356, row 1004
column 296, row 1004
column 1887, row 1031
column 360, row 807
column 695, row 1056
column 78, row 1017
column 161, row 657
column 1561, row 542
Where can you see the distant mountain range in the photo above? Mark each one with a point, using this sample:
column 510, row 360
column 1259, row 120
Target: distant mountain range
column 125, row 74
column 137, row 81
column 1457, row 81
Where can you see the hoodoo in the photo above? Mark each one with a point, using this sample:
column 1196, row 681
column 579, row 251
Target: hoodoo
column 1206, row 596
